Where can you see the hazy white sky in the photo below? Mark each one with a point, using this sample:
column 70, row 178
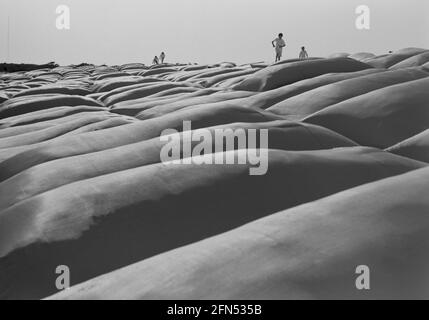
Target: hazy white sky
column 205, row 31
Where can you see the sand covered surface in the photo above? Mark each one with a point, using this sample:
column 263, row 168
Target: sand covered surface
column 83, row 183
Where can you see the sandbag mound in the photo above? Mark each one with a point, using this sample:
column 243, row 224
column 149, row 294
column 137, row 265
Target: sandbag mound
column 361, row 56
column 26, row 104
column 79, row 120
column 194, row 68
column 144, row 83
column 276, row 76
column 110, row 75
column 380, row 118
column 11, row 131
column 228, row 83
column 413, row 61
column 186, row 75
column 300, row 106
column 45, row 115
column 225, row 76
column 227, row 64
column 157, row 71
column 141, row 92
column 266, row 99
column 132, row 66
column 292, row 60
column 386, row 61
column 169, row 93
column 135, row 106
column 416, row 147
column 212, row 100
column 260, row 64
column 210, row 73
column 3, row 97
column 139, row 206
column 58, row 89
column 110, row 84
column 296, row 254
column 339, row 55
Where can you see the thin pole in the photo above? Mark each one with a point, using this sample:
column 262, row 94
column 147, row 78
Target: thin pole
column 8, row 38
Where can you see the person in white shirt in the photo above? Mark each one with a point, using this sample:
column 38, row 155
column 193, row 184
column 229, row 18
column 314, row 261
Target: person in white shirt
column 162, row 57
column 278, row 44
column 303, row 54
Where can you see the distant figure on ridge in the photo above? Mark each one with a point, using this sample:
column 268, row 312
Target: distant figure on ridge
column 155, row 60
column 279, row 44
column 162, row 57
column 303, row 54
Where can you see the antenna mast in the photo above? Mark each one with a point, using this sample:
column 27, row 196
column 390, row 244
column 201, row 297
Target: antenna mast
column 8, row 38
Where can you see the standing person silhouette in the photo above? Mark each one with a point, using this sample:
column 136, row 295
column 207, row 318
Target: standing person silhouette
column 278, row 44
column 303, row 54
column 155, row 60
column 162, row 57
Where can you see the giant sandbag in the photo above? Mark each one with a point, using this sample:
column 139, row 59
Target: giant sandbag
column 157, row 71
column 26, row 104
column 228, row 83
column 211, row 73
column 380, row 118
column 300, row 106
column 71, row 90
column 147, row 103
column 218, row 98
column 45, row 115
column 111, row 84
column 222, row 77
column 362, row 56
column 172, row 92
column 142, row 92
column 266, row 99
column 416, row 147
column 12, row 131
column 54, row 131
column 140, row 84
column 292, row 60
column 277, row 76
column 386, row 61
column 109, row 122
column 110, row 75
column 3, row 97
column 413, row 61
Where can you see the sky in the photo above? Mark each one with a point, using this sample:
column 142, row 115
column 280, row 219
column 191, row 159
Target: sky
column 204, row 31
